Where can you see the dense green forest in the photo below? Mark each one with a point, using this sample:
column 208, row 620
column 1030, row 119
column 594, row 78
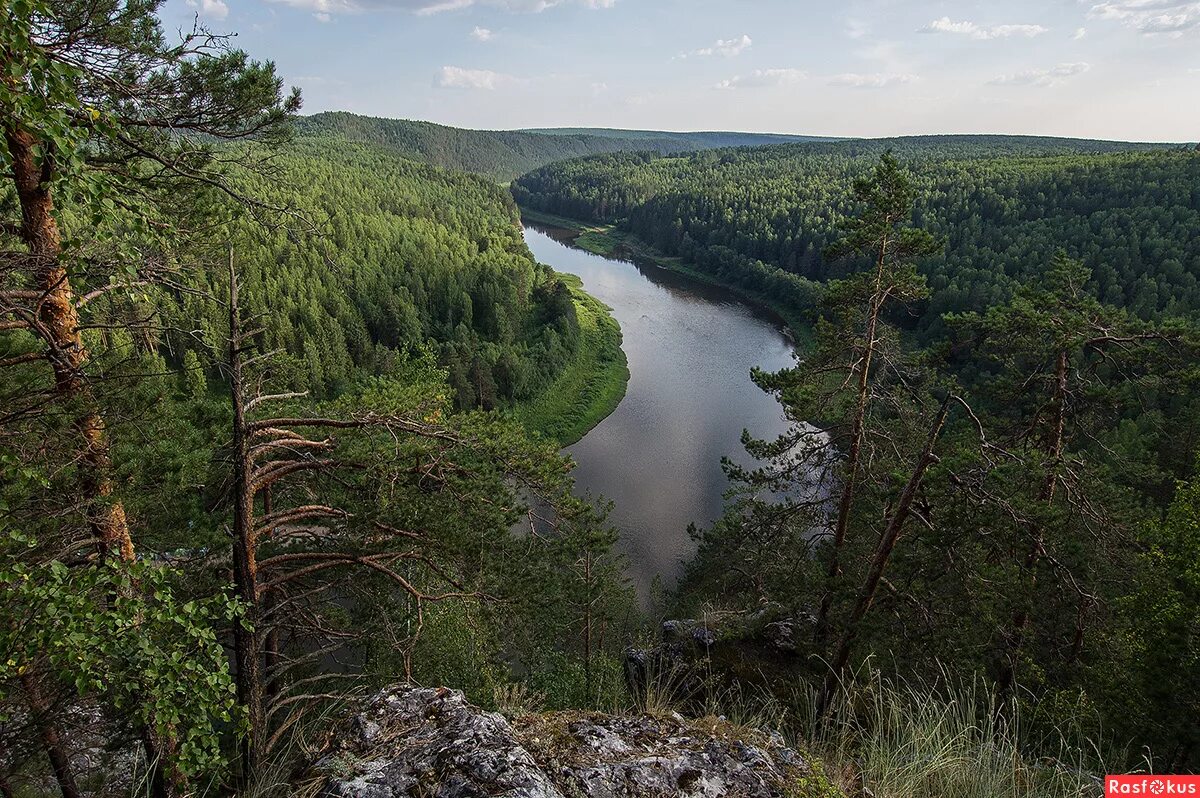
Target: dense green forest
column 247, row 464
column 762, row 218
column 997, row 427
column 261, row 450
column 505, row 154
column 394, row 255
column 698, row 140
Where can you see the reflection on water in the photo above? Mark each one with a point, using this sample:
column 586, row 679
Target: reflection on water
column 658, row 456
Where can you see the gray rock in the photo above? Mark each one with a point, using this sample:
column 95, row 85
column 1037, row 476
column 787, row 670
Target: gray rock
column 782, row 635
column 659, row 756
column 421, row 742
column 410, row 741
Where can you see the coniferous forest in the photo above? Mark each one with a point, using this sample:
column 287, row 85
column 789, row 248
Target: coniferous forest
column 283, row 400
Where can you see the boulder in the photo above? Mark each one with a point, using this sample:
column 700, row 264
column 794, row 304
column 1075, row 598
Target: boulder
column 431, row 743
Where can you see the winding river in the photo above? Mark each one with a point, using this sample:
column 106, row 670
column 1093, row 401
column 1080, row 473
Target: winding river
column 690, row 348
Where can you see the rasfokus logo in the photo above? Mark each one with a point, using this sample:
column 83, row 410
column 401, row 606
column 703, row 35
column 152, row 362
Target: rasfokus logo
column 1151, row 785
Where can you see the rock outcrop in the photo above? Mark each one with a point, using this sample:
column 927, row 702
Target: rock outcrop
column 410, row 741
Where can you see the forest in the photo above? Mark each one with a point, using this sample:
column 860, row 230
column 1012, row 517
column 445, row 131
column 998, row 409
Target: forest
column 505, row 154
column 762, row 218
column 263, row 379
column 1003, row 333
column 249, row 455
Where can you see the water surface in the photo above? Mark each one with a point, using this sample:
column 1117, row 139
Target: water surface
column 690, row 349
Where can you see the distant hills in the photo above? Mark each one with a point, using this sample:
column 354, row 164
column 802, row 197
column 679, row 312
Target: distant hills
column 505, row 154
column 693, row 140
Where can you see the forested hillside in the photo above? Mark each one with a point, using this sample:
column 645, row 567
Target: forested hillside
column 995, row 412
column 394, row 255
column 261, row 451
column 762, row 218
column 505, row 154
column 242, row 472
column 698, row 140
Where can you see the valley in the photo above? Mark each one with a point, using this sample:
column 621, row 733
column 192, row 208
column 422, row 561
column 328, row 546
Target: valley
column 606, row 444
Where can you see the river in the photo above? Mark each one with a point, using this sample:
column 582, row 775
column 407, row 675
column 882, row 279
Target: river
column 657, row 457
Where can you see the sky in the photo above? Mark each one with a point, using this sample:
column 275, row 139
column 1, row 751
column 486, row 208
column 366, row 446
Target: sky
column 1117, row 69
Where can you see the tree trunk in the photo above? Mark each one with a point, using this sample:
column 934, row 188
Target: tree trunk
column 270, row 636
column 60, row 761
column 58, row 325
column 887, row 543
column 247, row 638
column 1014, row 640
column 846, row 502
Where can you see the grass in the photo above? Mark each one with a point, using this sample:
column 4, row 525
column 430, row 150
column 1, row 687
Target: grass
column 608, row 241
column 590, row 387
column 893, row 739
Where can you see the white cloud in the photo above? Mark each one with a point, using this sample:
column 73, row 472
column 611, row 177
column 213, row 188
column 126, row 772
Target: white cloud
column 321, row 9
column 426, row 8
column 1150, row 17
column 1079, row 33
column 452, row 77
column 965, row 28
column 725, row 47
column 1042, row 77
column 764, row 78
column 213, row 9
column 444, row 5
column 482, row 34
column 856, row 28
column 876, row 80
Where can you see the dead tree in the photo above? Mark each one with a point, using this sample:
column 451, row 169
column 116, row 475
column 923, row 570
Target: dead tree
column 310, row 541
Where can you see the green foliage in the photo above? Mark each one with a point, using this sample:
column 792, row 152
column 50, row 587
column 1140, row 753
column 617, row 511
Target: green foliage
column 591, row 386
column 121, row 633
column 504, row 154
column 765, row 216
column 403, row 255
column 1160, row 645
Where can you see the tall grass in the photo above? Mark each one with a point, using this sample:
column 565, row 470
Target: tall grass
column 888, row 738
column 901, row 740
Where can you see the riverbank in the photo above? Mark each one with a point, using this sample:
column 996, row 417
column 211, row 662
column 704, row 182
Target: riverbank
column 606, row 240
column 591, row 386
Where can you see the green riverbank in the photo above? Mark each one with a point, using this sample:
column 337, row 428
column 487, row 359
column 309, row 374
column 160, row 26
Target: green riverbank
column 590, row 387
column 606, row 240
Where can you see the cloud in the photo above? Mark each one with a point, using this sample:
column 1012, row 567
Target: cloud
column 1151, row 17
column 764, row 78
column 724, row 47
column 318, row 80
column 1079, row 33
column 213, row 9
column 965, row 28
column 482, row 34
column 321, row 9
column 877, row 80
column 426, row 8
column 452, row 77
column 1042, row 77
column 856, row 28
